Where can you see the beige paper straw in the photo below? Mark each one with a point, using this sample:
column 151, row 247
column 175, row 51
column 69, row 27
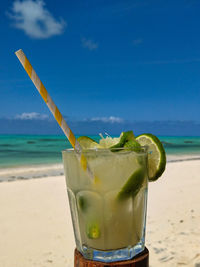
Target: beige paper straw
column 54, row 110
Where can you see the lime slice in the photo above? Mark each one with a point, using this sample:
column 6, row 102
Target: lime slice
column 133, row 184
column 156, row 155
column 126, row 138
column 87, row 142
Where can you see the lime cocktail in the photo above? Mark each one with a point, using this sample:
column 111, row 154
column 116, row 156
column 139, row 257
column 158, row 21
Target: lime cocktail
column 107, row 185
column 108, row 214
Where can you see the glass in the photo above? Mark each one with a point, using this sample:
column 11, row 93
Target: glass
column 108, row 216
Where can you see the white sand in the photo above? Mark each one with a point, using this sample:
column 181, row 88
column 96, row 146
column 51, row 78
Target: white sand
column 36, row 229
column 173, row 223
column 29, row 172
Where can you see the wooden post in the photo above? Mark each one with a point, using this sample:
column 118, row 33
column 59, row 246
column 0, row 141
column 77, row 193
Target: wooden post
column 141, row 260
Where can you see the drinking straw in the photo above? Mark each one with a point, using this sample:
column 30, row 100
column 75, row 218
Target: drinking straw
column 55, row 111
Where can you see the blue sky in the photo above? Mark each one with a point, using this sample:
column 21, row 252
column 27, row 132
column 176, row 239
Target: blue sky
column 102, row 60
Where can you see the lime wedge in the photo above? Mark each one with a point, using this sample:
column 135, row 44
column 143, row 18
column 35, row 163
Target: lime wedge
column 156, row 155
column 133, row 184
column 87, row 142
column 124, row 138
column 83, row 203
column 133, row 145
column 93, row 230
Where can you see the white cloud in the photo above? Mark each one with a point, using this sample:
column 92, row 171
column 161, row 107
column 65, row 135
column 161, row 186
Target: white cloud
column 31, row 116
column 35, row 20
column 89, row 44
column 110, row 119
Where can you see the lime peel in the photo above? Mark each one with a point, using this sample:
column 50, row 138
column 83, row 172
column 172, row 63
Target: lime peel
column 93, row 230
column 87, row 142
column 133, row 185
column 156, row 155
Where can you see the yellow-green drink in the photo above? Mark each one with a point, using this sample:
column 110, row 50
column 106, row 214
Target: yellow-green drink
column 108, row 214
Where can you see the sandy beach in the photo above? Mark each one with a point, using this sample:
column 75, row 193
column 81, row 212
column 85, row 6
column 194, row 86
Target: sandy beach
column 36, row 229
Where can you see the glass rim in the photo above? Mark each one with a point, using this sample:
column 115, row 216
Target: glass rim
column 144, row 150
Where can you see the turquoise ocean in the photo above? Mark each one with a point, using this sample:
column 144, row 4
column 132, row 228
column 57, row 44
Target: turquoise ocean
column 23, row 150
column 38, row 150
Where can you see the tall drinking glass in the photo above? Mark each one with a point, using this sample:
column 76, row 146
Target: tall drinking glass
column 108, row 214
